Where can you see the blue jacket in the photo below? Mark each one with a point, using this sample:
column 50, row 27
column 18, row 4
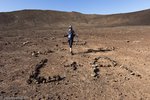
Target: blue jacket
column 71, row 34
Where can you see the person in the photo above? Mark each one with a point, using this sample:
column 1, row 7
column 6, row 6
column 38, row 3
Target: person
column 71, row 35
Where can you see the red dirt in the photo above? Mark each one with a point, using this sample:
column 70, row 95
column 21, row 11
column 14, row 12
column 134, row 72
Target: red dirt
column 126, row 43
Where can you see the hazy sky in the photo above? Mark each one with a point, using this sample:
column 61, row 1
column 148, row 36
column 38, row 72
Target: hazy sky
column 83, row 6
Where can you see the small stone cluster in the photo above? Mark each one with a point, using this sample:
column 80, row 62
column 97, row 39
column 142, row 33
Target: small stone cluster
column 73, row 65
column 101, row 62
column 36, row 53
column 131, row 72
column 36, row 78
column 95, row 71
column 105, row 62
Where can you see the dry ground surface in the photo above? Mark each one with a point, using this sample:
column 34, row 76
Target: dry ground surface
column 121, row 54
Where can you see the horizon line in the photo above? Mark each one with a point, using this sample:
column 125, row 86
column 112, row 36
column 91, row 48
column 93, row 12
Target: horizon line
column 72, row 11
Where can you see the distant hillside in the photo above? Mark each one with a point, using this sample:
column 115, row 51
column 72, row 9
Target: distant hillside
column 134, row 18
column 40, row 18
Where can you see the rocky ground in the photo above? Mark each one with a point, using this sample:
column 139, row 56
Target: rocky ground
column 108, row 64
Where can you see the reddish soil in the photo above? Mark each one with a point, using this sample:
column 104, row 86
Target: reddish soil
column 109, row 63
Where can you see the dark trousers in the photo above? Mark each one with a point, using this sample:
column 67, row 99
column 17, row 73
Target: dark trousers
column 70, row 41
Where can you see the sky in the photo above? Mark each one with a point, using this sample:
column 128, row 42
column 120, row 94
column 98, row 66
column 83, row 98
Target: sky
column 82, row 6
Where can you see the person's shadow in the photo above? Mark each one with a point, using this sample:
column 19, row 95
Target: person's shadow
column 95, row 50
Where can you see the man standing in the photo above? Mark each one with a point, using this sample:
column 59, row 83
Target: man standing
column 71, row 38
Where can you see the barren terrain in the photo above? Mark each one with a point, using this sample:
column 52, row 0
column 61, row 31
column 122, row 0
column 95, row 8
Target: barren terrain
column 111, row 58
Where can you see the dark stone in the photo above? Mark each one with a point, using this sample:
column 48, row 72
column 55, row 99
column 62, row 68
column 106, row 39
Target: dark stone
column 1, row 80
column 29, row 81
column 40, row 79
column 138, row 75
column 49, row 78
column 132, row 73
column 57, row 77
column 74, row 65
column 56, row 45
column 3, row 92
column 36, row 72
column 128, row 41
column 50, row 51
column 108, row 65
column 96, row 70
column 1, row 65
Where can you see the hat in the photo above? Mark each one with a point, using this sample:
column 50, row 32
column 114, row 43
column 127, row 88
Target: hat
column 70, row 26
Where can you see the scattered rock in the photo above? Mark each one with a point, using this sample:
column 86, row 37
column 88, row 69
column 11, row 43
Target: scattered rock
column 22, row 72
column 91, row 50
column 29, row 81
column 36, row 72
column 126, row 78
column 95, row 71
column 35, row 54
column 73, row 65
column 1, row 65
column 131, row 72
column 56, row 78
column 40, row 79
column 56, row 45
column 104, row 62
column 50, row 51
column 101, row 62
column 62, row 49
column 7, row 43
column 3, row 92
column 25, row 43
column 80, row 43
column 61, row 56
column 115, row 80
column 127, row 41
column 47, row 52
column 45, row 38
column 41, row 64
column 1, row 80
column 15, row 93
column 36, row 78
column 53, row 38
column 138, row 75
